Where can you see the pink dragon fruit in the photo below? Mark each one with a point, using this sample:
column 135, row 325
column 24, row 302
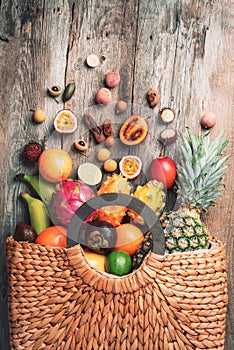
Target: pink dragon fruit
column 69, row 196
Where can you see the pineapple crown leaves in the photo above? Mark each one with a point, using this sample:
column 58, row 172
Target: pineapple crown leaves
column 200, row 170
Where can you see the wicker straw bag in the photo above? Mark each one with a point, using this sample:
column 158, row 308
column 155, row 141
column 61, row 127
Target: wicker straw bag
column 58, row 301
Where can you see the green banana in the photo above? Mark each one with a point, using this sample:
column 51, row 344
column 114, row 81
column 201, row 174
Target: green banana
column 43, row 188
column 37, row 212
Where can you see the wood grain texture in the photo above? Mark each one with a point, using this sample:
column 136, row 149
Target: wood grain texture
column 182, row 48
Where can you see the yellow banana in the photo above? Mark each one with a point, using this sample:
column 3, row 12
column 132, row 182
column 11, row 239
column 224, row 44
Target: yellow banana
column 37, row 212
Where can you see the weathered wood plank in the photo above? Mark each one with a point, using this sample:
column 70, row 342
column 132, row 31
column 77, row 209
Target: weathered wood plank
column 32, row 58
column 182, row 48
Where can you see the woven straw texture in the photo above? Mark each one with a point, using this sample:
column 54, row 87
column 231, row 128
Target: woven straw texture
column 57, row 301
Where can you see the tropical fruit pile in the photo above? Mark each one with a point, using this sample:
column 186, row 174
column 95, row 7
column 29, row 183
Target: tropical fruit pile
column 117, row 239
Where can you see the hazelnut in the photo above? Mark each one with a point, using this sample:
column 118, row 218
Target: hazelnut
column 208, row 120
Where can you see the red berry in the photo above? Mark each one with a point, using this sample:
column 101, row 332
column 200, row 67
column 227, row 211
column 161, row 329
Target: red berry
column 112, row 79
column 103, row 96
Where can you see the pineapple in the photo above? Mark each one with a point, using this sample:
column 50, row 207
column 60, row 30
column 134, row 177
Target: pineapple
column 145, row 247
column 200, row 171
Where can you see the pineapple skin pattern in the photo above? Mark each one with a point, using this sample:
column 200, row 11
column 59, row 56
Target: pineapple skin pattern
column 200, row 170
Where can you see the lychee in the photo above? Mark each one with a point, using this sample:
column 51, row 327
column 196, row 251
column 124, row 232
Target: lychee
column 103, row 96
column 112, row 79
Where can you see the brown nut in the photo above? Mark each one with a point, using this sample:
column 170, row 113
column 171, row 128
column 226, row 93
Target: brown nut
column 208, row 120
column 152, row 98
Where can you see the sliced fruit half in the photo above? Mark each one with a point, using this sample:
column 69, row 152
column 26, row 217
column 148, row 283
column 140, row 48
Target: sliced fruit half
column 90, row 174
column 134, row 130
column 130, row 166
column 65, row 121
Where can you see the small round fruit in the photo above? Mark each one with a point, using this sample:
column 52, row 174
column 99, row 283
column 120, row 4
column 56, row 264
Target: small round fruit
column 103, row 96
column 112, row 79
column 55, row 165
column 96, row 260
column 54, row 236
column 39, row 116
column 163, row 169
column 103, row 154
column 90, row 174
column 129, row 238
column 118, row 263
column 110, row 165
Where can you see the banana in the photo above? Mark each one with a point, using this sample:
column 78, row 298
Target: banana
column 37, row 212
column 43, row 188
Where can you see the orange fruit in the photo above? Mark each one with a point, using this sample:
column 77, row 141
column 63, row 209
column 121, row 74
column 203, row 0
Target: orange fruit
column 129, row 238
column 118, row 263
column 96, row 260
column 54, row 236
column 55, row 165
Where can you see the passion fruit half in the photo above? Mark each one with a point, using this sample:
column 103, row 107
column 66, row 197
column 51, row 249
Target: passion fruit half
column 134, row 130
column 65, row 121
column 130, row 166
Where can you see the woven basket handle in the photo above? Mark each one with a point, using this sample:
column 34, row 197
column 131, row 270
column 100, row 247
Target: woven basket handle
column 117, row 199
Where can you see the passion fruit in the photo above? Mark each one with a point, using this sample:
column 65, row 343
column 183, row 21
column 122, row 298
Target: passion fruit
column 65, row 122
column 134, row 130
column 130, row 166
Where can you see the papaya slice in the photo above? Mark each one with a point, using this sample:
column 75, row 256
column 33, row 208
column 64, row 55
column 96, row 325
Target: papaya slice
column 134, row 130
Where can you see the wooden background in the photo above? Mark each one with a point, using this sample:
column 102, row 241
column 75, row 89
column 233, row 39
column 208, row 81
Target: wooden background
column 183, row 48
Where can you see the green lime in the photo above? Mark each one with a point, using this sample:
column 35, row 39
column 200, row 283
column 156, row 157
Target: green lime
column 118, row 263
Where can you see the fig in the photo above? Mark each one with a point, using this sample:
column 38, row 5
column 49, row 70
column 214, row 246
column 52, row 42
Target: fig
column 134, row 130
column 24, row 232
column 100, row 236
